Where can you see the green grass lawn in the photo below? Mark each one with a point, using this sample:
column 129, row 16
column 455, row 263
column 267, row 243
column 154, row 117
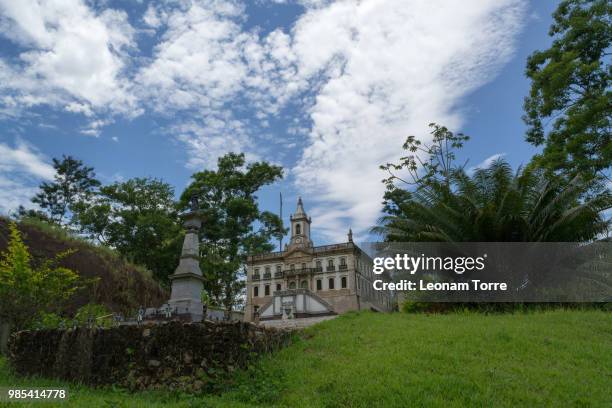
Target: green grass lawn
column 555, row 358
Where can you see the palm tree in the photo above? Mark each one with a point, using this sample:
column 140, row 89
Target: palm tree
column 496, row 205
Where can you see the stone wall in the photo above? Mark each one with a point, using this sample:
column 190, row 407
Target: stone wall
column 194, row 357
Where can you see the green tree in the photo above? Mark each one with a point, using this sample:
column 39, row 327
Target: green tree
column 27, row 290
column 139, row 219
column 73, row 183
column 492, row 204
column 234, row 227
column 568, row 108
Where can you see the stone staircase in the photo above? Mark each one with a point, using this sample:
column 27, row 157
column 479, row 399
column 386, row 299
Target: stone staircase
column 295, row 324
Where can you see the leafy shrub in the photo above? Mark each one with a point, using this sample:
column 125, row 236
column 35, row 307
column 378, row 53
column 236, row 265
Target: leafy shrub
column 27, row 289
column 99, row 313
column 47, row 321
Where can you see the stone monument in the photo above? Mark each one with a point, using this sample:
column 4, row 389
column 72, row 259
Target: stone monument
column 186, row 296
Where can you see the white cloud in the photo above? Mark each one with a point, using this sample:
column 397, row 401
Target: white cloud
column 392, row 68
column 198, row 62
column 486, row 163
column 207, row 140
column 24, row 158
column 364, row 75
column 70, row 56
column 208, row 67
column 21, row 168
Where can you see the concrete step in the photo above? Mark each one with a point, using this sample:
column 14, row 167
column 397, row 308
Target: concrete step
column 295, row 324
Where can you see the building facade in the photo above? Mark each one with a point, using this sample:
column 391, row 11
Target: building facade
column 305, row 280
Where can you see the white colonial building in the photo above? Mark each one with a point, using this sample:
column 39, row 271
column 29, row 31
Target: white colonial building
column 307, row 281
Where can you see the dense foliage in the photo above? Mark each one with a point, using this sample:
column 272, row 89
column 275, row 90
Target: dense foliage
column 26, row 290
column 73, row 183
column 447, row 203
column 139, row 219
column 568, row 109
column 234, row 225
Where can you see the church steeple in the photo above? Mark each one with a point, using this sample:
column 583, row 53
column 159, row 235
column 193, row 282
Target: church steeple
column 300, row 208
column 300, row 227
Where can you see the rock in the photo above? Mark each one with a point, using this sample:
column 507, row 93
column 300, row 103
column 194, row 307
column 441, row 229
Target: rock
column 187, row 357
column 154, row 363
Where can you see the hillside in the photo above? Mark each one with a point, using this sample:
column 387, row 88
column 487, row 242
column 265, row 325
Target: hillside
column 121, row 286
column 554, row 358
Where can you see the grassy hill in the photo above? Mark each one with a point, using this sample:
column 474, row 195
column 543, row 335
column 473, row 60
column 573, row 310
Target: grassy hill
column 121, row 286
column 554, row 358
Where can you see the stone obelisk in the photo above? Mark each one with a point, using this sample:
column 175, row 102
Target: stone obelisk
column 186, row 296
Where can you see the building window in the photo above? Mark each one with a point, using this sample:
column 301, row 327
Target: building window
column 267, row 290
column 330, row 263
column 256, row 271
column 267, row 270
column 303, row 266
column 319, row 265
column 343, row 282
column 292, row 285
column 278, row 268
column 331, row 283
column 298, row 229
column 278, row 286
column 342, row 261
column 256, row 291
column 255, row 310
column 319, row 284
column 292, row 267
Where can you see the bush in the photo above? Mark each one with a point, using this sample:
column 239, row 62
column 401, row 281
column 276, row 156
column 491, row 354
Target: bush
column 27, row 289
column 98, row 313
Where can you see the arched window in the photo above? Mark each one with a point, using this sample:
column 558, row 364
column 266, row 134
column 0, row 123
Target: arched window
column 256, row 291
column 343, row 261
column 318, row 265
column 292, row 285
column 267, row 290
column 331, row 283
column 298, row 229
column 304, row 284
column 343, row 282
column 278, row 286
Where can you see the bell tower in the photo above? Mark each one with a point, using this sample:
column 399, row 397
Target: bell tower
column 300, row 228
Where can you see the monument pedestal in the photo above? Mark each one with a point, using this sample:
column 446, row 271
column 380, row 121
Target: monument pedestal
column 186, row 296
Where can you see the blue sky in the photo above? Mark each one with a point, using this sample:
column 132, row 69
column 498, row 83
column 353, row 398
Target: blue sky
column 328, row 90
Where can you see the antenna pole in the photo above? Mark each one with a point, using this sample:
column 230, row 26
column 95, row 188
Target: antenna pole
column 280, row 236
